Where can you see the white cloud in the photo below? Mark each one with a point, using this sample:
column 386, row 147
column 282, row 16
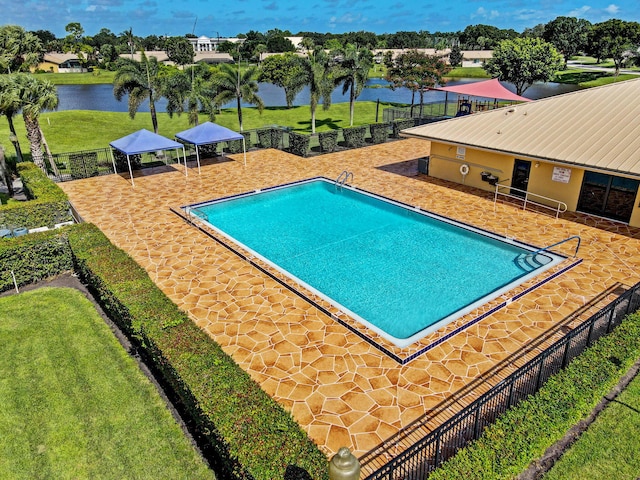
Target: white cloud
column 612, row 9
column 579, row 12
column 481, row 12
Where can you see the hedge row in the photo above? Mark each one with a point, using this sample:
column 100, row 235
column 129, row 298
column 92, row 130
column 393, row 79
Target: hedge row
column 524, row 432
column 48, row 204
column 34, row 257
column 252, row 435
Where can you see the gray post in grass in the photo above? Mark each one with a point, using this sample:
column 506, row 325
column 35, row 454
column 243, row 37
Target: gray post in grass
column 344, row 466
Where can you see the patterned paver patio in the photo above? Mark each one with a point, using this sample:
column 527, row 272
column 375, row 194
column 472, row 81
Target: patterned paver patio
column 342, row 390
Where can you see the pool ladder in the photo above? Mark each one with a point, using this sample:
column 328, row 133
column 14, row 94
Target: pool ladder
column 532, row 257
column 343, row 178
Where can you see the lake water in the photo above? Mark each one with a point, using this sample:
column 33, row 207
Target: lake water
column 100, row 97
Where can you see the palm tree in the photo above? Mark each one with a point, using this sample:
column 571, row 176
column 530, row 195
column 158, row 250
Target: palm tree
column 317, row 75
column 9, row 107
column 232, row 83
column 192, row 89
column 35, row 96
column 19, row 50
column 352, row 72
column 142, row 81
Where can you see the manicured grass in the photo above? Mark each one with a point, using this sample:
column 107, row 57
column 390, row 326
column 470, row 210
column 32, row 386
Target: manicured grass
column 74, row 404
column 610, row 448
column 589, row 78
column 89, row 78
column 75, row 130
column 468, row 72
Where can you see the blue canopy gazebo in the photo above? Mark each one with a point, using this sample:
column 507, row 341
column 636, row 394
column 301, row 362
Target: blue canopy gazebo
column 144, row 141
column 207, row 133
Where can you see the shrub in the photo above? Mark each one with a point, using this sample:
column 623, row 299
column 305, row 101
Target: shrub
column 401, row 124
column 235, row 146
column 379, row 132
column 122, row 165
column 354, row 137
column 251, row 435
column 328, row 140
column 270, row 137
column 34, row 257
column 48, row 204
column 299, row 144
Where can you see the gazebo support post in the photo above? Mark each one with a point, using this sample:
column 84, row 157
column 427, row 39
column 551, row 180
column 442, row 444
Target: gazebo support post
column 130, row 171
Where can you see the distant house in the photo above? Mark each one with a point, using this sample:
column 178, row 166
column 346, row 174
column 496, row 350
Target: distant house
column 162, row 57
column 61, row 63
column 580, row 148
column 210, row 44
column 471, row 58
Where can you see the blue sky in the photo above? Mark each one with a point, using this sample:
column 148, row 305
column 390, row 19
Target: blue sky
column 228, row 18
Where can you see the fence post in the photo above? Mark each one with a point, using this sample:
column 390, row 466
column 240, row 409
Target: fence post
column 344, row 466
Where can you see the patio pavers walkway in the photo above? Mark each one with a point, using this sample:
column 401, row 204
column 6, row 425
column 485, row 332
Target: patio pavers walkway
column 342, row 390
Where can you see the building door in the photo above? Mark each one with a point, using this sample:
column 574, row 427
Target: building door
column 608, row 196
column 520, row 177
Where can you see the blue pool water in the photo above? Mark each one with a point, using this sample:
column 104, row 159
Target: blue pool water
column 398, row 270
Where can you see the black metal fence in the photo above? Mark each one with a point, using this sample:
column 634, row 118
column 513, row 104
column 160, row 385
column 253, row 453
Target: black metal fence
column 82, row 164
column 425, row 455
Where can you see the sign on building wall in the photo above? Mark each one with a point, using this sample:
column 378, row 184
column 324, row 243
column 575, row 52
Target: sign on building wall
column 562, row 175
column 460, row 153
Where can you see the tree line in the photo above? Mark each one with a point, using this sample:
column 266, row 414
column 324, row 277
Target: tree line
column 196, row 89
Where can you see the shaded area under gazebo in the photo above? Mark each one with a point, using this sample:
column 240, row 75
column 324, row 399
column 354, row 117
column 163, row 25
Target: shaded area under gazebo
column 487, row 89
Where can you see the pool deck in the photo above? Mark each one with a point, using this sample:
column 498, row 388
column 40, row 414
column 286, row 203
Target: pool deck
column 342, row 390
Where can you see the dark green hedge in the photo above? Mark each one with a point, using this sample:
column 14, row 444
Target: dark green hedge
column 270, row 137
column 401, row 124
column 47, row 204
column 354, row 137
column 34, row 257
column 328, row 140
column 299, row 144
column 379, row 132
column 235, row 146
column 253, row 436
column 524, row 432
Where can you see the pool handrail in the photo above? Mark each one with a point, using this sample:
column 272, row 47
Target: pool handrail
column 572, row 237
column 560, row 208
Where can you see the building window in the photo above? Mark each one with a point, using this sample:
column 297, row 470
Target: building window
column 608, row 196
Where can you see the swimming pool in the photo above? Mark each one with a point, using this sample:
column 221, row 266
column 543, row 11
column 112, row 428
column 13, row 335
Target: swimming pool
column 398, row 270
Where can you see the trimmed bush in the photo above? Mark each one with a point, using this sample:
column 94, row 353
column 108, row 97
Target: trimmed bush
column 270, row 137
column 252, row 436
column 235, row 146
column 299, row 144
column 379, row 132
column 48, row 204
column 328, row 140
column 121, row 161
column 524, row 432
column 401, row 124
column 34, row 257
column 354, row 137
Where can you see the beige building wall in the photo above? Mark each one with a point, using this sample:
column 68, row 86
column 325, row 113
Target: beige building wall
column 445, row 162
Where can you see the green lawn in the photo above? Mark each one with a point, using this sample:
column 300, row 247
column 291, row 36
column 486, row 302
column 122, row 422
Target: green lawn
column 589, row 78
column 90, row 78
column 74, row 404
column 75, row 130
column 610, row 448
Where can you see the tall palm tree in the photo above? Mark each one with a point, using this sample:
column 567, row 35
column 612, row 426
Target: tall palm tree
column 231, row 82
column 9, row 107
column 190, row 91
column 142, row 81
column 317, row 75
column 35, row 96
column 352, row 72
